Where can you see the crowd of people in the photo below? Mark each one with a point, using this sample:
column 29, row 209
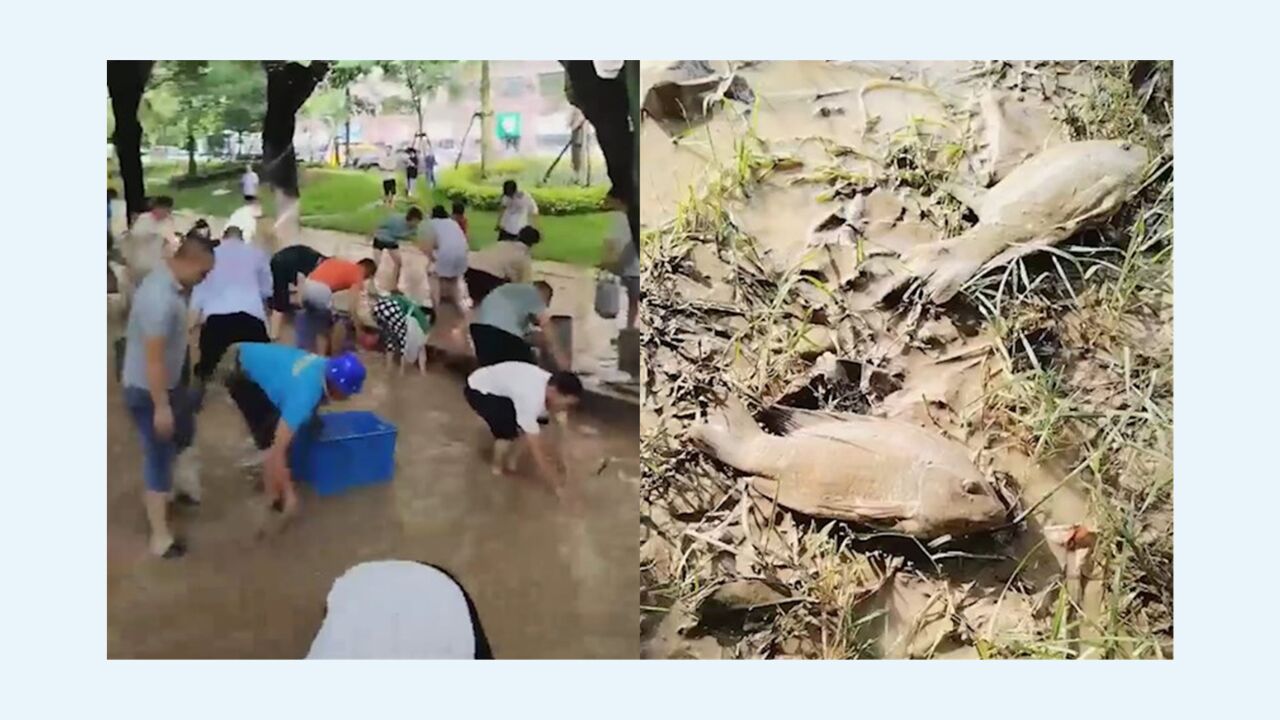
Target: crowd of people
column 207, row 312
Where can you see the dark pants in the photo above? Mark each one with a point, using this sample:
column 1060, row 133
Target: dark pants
column 157, row 453
column 494, row 346
column 219, row 332
column 481, row 283
column 260, row 414
column 498, row 412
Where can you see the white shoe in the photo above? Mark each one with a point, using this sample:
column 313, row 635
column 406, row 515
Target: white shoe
column 186, row 475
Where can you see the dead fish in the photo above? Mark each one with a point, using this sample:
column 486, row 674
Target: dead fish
column 885, row 474
column 1042, row 202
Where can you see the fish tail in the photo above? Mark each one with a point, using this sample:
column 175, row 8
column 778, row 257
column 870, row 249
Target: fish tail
column 729, row 435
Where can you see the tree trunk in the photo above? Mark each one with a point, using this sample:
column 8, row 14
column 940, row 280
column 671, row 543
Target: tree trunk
column 126, row 81
column 191, row 154
column 486, row 117
column 606, row 105
column 577, row 134
column 346, row 150
column 289, row 84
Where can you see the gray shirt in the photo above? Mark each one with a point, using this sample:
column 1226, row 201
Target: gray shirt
column 159, row 310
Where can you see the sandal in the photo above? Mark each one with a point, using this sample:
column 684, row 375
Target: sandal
column 176, row 549
column 185, row 500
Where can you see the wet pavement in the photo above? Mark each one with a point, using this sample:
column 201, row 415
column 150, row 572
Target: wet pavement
column 548, row 581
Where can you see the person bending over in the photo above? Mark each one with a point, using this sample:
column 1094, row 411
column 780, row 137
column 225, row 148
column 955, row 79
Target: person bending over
column 515, row 399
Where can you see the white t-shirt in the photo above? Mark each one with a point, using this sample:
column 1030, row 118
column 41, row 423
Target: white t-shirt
column 246, row 218
column 524, row 383
column 516, row 211
column 451, row 247
column 388, row 166
column 395, row 609
column 249, row 183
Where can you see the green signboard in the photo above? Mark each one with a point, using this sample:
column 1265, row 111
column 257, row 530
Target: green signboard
column 508, row 125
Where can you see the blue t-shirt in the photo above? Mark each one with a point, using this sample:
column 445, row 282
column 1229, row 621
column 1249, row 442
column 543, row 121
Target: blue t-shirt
column 293, row 379
column 394, row 229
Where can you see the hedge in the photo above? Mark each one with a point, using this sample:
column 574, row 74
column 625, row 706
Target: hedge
column 464, row 183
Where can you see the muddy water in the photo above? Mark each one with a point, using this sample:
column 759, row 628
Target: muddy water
column 548, row 582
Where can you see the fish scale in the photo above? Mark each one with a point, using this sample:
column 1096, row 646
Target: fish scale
column 882, row 473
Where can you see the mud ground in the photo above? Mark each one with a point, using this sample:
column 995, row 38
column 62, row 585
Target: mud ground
column 548, row 582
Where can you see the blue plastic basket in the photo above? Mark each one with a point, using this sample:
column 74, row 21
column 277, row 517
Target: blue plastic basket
column 344, row 450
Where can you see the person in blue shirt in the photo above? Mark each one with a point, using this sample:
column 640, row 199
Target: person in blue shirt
column 278, row 389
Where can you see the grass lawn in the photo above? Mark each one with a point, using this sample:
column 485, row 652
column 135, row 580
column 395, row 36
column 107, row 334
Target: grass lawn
column 350, row 201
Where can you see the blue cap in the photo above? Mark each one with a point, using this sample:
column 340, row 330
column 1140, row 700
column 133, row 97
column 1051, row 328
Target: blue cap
column 346, row 372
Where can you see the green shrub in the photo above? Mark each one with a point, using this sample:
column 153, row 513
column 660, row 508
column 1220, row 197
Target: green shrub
column 464, row 183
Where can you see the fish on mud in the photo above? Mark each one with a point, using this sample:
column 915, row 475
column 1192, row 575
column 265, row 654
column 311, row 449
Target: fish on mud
column 1040, row 203
column 885, row 474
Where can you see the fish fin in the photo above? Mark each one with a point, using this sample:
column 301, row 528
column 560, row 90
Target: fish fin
column 782, row 420
column 728, row 433
column 882, row 510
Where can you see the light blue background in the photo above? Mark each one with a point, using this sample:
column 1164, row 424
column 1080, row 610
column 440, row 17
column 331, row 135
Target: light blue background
column 52, row 597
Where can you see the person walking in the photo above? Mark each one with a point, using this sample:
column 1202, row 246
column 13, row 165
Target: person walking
column 517, row 210
column 387, row 164
column 159, row 403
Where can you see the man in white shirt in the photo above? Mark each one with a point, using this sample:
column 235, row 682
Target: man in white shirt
column 514, row 399
column 387, row 164
column 246, row 218
column 148, row 240
column 231, row 302
column 249, row 184
column 518, row 210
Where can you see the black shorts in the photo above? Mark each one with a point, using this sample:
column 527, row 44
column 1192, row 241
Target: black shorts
column 494, row 346
column 388, row 187
column 481, row 283
column 504, row 235
column 411, row 173
column 285, row 267
column 381, row 244
column 218, row 334
column 498, row 412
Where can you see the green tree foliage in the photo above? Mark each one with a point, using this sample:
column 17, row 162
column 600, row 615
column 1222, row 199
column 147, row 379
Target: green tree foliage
column 421, row 77
column 188, row 99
